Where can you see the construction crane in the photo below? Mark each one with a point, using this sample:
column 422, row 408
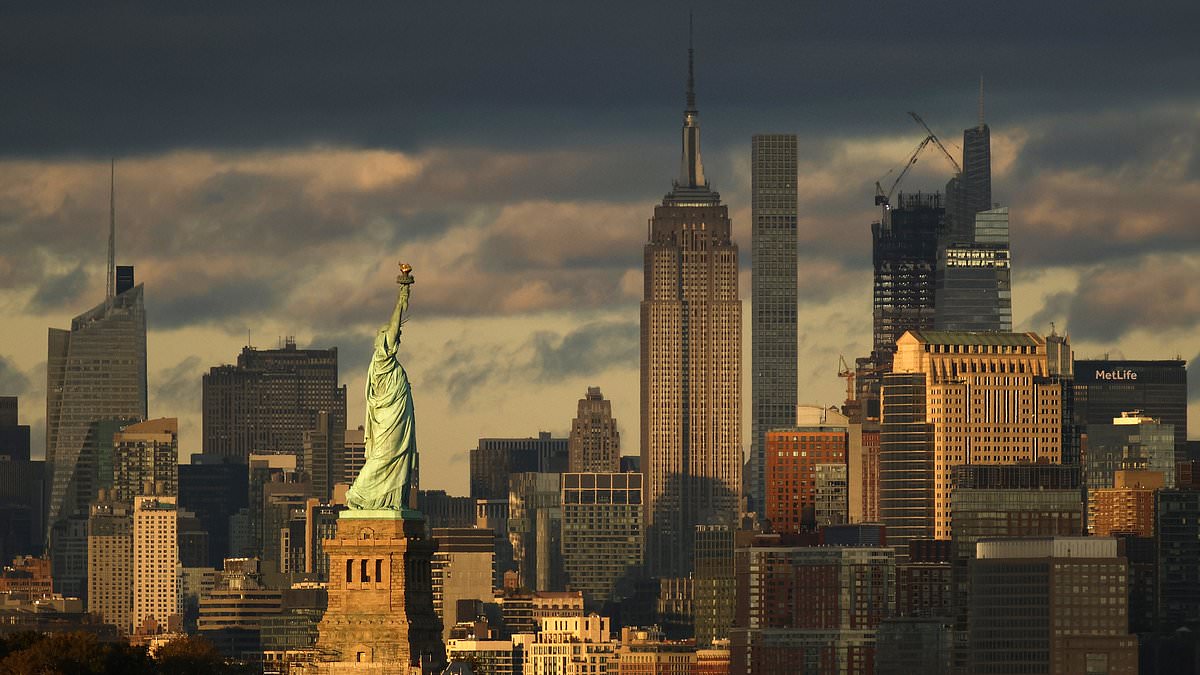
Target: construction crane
column 844, row 370
column 933, row 136
column 884, row 199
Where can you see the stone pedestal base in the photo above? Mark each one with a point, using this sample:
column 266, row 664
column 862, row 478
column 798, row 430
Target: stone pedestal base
column 380, row 617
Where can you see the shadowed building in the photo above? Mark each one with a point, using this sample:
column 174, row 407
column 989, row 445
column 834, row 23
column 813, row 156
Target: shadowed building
column 774, row 287
column 691, row 367
column 594, row 445
column 1053, row 605
column 269, row 399
column 602, row 536
column 904, row 249
column 495, row 458
column 810, row 609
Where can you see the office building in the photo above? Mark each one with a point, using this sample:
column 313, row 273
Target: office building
column 774, row 284
column 232, row 614
column 1013, row 500
column 973, row 283
column 324, row 456
column 1130, row 442
column 94, row 371
column 110, row 561
column 989, row 398
column 1177, row 535
column 691, row 437
column 970, row 191
column 493, row 459
column 602, row 535
column 1104, row 389
column 462, row 570
column 830, row 495
column 354, row 455
column 645, row 651
column 269, row 399
column 907, row 646
column 1050, row 605
column 214, row 490
column 906, row 481
column 157, row 606
column 578, row 645
column 22, row 487
column 1127, row 507
column 714, row 587
column 594, row 445
column 535, row 522
column 444, row 510
column 146, row 452
column 793, row 454
column 904, row 250
column 862, row 468
column 924, row 583
column 810, row 608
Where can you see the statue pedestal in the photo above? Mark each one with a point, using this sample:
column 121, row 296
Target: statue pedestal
column 380, row 617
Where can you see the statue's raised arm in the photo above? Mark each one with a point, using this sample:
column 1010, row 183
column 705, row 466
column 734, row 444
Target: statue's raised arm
column 386, row 479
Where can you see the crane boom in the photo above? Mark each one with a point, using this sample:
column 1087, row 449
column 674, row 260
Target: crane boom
column 935, row 139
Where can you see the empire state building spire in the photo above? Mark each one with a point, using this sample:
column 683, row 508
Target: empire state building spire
column 691, row 171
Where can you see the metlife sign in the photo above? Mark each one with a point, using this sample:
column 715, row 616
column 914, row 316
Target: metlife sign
column 1116, row 374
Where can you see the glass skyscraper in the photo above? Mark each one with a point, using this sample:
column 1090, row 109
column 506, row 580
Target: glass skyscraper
column 973, row 280
column 95, row 371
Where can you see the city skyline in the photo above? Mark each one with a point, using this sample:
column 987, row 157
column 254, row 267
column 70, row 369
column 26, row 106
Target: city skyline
column 528, row 252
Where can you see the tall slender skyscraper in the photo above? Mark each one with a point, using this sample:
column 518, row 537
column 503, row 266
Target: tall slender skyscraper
column 970, row 192
column 690, row 362
column 94, row 371
column 773, row 296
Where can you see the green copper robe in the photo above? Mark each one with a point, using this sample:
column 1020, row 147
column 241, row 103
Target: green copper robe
column 390, row 432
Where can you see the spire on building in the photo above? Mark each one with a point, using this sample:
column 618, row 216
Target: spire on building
column 691, row 170
column 110, row 291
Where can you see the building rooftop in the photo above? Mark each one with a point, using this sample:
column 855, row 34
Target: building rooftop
column 942, row 337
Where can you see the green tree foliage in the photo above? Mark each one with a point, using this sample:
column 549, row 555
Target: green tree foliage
column 71, row 654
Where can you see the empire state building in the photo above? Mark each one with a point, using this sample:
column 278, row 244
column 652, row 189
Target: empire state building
column 691, row 369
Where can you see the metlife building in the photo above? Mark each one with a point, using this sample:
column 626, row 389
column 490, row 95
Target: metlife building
column 1105, row 389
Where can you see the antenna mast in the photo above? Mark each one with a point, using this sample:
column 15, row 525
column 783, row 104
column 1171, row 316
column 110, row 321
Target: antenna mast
column 111, row 288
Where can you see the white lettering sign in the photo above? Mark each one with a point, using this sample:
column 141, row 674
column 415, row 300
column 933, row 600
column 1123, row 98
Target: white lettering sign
column 1116, row 375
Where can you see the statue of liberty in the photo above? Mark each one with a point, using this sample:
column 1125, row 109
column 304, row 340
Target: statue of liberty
column 386, row 479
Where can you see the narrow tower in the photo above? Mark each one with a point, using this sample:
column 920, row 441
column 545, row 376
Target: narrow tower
column 690, row 362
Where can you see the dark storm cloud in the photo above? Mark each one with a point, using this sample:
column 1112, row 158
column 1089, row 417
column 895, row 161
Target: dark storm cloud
column 229, row 304
column 544, row 357
column 13, row 382
column 178, row 388
column 141, row 77
column 588, row 349
column 58, row 290
column 1114, row 300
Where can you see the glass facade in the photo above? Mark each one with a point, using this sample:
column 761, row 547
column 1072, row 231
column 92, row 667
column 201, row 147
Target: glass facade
column 973, row 280
column 906, row 461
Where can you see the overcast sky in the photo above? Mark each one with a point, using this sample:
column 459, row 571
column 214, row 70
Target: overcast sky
column 275, row 162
